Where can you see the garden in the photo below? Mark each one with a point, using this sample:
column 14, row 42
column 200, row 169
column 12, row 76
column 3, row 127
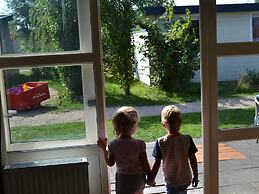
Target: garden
column 171, row 45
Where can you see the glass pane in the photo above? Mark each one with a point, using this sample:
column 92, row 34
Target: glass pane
column 238, row 84
column 239, row 167
column 235, row 22
column 39, row 26
column 45, row 103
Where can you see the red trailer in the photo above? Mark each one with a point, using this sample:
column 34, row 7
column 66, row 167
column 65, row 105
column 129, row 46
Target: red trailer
column 27, row 95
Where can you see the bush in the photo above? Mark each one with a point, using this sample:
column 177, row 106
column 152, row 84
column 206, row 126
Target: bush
column 173, row 51
column 248, row 81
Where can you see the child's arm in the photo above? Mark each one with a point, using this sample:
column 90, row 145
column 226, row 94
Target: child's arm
column 193, row 161
column 109, row 157
column 154, row 170
column 144, row 162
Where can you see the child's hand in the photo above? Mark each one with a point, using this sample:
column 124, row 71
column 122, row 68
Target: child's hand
column 195, row 181
column 102, row 143
column 151, row 183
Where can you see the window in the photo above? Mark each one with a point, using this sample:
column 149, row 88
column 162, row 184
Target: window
column 47, row 70
column 37, row 109
column 255, row 28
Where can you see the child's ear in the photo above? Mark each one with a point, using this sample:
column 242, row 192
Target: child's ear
column 165, row 125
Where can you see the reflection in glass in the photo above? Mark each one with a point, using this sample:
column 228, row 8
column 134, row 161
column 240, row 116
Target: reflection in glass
column 238, row 84
column 45, row 103
column 238, row 167
column 39, row 26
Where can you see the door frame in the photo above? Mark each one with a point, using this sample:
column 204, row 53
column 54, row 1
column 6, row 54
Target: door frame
column 212, row 135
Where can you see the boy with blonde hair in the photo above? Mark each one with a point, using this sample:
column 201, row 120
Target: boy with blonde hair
column 175, row 150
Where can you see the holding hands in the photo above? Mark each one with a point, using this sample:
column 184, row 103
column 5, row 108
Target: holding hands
column 151, row 183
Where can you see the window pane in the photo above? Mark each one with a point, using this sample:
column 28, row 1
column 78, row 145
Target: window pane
column 45, row 103
column 255, row 28
column 39, row 26
column 238, row 84
column 238, row 167
column 234, row 22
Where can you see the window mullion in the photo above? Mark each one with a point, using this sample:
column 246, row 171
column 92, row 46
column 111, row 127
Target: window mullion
column 32, row 60
column 238, row 134
column 237, row 48
column 6, row 125
column 209, row 94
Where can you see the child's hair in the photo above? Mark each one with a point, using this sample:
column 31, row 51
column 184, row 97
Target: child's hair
column 124, row 119
column 169, row 114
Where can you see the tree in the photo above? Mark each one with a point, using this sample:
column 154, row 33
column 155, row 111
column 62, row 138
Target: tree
column 173, row 48
column 21, row 24
column 50, row 30
column 46, row 28
column 118, row 22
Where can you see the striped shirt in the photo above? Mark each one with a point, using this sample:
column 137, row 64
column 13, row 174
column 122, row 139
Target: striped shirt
column 174, row 152
column 126, row 153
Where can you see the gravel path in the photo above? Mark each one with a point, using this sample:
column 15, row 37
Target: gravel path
column 45, row 116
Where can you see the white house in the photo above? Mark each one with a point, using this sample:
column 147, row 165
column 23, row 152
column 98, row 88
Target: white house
column 235, row 23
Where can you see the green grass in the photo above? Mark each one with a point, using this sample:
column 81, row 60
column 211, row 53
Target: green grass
column 142, row 94
column 227, row 89
column 73, row 130
column 149, row 127
column 56, row 104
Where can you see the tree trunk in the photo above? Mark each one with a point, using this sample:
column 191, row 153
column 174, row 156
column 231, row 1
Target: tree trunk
column 127, row 89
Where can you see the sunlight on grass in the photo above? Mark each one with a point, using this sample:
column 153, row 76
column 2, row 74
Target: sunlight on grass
column 142, row 95
column 58, row 131
column 150, row 128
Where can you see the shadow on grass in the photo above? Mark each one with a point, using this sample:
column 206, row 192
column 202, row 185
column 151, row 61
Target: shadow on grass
column 36, row 111
column 131, row 100
column 142, row 95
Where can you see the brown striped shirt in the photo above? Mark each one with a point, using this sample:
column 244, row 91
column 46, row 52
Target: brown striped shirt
column 174, row 152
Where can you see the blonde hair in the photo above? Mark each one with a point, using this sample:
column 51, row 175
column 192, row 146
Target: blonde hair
column 169, row 114
column 124, row 119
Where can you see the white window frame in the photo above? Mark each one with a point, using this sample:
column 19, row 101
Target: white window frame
column 212, row 136
column 89, row 57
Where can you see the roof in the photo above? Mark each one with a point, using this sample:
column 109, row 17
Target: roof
column 248, row 7
column 6, row 17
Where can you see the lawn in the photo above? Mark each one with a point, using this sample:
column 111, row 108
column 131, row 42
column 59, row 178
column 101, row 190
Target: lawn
column 142, row 94
column 149, row 127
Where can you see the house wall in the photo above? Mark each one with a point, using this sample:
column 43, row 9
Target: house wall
column 234, row 27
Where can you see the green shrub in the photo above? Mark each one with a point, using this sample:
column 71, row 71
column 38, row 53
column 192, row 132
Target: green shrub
column 248, row 81
column 173, row 51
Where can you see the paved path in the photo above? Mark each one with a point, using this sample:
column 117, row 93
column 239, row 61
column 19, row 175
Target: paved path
column 44, row 115
column 227, row 103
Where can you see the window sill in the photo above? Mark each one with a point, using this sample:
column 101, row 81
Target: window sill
column 49, row 145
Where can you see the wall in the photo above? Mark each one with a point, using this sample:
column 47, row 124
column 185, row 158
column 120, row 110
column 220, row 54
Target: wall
column 97, row 167
column 142, row 67
column 234, row 27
